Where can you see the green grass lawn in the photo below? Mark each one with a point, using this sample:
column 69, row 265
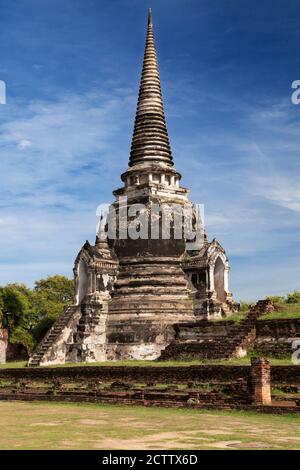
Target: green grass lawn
column 234, row 361
column 284, row 311
column 13, row 365
column 37, row 425
column 236, row 317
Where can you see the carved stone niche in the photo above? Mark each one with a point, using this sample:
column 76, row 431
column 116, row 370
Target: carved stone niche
column 207, row 271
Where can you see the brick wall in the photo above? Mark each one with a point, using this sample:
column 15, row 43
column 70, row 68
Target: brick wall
column 285, row 375
column 206, row 386
column 274, row 338
column 176, row 374
column 278, row 328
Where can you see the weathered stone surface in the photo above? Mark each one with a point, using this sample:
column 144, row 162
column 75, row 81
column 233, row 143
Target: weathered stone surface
column 207, row 269
column 275, row 338
column 150, row 137
column 217, row 340
column 3, row 345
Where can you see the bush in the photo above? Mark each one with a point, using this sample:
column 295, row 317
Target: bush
column 23, row 337
column 293, row 298
column 244, row 307
column 276, row 299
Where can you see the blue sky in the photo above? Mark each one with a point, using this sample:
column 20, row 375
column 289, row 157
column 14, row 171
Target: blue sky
column 72, row 70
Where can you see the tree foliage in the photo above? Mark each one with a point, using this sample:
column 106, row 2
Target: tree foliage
column 29, row 313
column 276, row 299
column 58, row 289
column 293, row 298
column 15, row 305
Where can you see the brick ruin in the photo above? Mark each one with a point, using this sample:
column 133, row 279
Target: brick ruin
column 260, row 381
column 3, row 345
column 258, row 387
column 228, row 339
column 131, row 292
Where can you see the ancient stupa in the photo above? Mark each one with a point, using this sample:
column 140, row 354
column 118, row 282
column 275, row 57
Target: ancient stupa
column 132, row 290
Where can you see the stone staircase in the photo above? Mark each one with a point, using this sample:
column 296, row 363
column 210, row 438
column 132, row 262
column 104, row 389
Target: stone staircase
column 235, row 344
column 52, row 335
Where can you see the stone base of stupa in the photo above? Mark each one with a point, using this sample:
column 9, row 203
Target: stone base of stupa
column 150, row 295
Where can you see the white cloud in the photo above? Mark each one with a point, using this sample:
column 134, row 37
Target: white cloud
column 57, row 158
column 45, row 145
column 24, row 143
column 248, row 180
column 279, row 190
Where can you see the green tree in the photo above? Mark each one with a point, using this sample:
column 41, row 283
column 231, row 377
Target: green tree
column 22, row 336
column 58, row 289
column 42, row 328
column 15, row 306
column 29, row 313
column 50, row 297
column 17, row 315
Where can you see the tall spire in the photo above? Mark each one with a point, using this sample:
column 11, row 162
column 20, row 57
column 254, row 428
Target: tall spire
column 150, row 141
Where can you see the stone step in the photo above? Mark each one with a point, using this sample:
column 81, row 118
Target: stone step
column 51, row 336
column 221, row 346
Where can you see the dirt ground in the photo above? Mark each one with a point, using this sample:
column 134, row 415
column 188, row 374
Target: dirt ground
column 39, row 425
